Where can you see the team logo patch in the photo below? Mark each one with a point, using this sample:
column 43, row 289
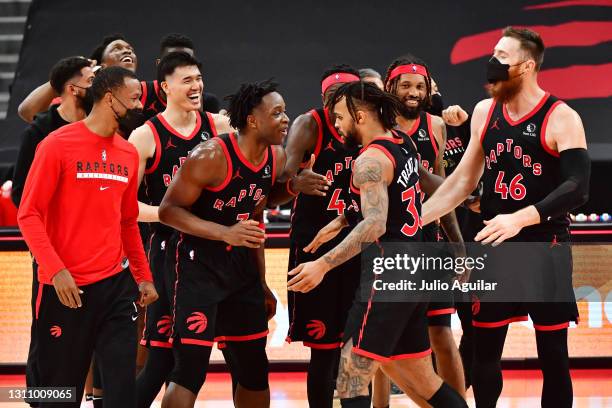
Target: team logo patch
column 125, row 263
column 104, row 155
column 192, row 254
column 205, row 135
column 337, row 77
column 475, row 305
column 197, row 322
column 422, row 134
column 56, row 331
column 267, row 172
column 164, row 324
column 414, row 68
column 530, row 130
column 316, row 329
column 163, row 245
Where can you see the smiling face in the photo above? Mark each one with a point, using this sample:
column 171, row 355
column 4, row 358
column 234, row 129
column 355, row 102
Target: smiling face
column 412, row 91
column 121, row 53
column 270, row 119
column 184, row 87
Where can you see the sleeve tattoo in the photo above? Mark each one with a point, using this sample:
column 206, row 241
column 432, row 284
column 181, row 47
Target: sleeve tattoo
column 368, row 175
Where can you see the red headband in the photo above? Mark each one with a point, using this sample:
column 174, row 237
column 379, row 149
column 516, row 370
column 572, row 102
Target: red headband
column 337, row 78
column 408, row 69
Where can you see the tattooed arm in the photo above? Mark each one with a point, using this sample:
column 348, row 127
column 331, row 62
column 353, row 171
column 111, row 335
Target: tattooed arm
column 372, row 173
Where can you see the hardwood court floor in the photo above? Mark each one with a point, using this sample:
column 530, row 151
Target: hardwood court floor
column 592, row 389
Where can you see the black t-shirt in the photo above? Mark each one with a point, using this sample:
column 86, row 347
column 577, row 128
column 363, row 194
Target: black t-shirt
column 43, row 124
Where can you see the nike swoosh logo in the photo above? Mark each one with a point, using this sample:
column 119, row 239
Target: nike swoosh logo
column 104, row 188
column 134, row 318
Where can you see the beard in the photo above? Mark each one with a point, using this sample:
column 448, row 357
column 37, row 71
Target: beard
column 505, row 91
column 350, row 138
column 410, row 112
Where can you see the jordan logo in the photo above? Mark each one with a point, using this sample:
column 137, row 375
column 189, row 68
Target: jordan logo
column 554, row 242
column 316, row 329
column 330, row 147
column 169, row 144
column 237, row 175
column 197, row 322
column 495, row 124
column 152, row 107
column 56, row 331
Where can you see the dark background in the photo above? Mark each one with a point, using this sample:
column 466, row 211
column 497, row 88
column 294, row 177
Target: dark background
column 295, row 41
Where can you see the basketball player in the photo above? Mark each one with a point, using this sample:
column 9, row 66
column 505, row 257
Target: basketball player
column 317, row 318
column 391, row 335
column 78, row 216
column 530, row 149
column 153, row 97
column 114, row 50
column 409, row 79
column 71, row 78
column 163, row 143
column 220, row 288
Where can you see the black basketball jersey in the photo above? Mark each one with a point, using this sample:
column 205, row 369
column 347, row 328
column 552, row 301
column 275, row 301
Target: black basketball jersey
column 423, row 136
column 404, row 213
column 457, row 139
column 235, row 199
column 334, row 161
column 171, row 151
column 152, row 102
column 520, row 169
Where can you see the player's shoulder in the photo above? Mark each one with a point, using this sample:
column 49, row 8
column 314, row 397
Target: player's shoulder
column 211, row 150
column 483, row 106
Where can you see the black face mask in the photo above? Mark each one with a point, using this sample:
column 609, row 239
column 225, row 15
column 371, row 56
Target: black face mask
column 132, row 119
column 496, row 71
column 436, row 105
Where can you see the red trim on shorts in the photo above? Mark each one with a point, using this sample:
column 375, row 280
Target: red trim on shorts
column 230, row 169
column 319, row 143
column 150, row 244
column 243, row 338
column 196, row 342
column 153, row 343
column 318, row 346
column 438, row 312
column 244, row 160
column 543, row 131
column 385, row 151
column 211, row 123
column 551, row 327
column 176, row 270
column 273, row 164
column 143, row 95
column 365, row 317
column 157, row 149
column 383, row 359
column 38, row 298
column 492, row 325
column 487, row 121
column 175, row 132
column 527, row 116
column 432, row 135
column 331, row 127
